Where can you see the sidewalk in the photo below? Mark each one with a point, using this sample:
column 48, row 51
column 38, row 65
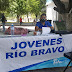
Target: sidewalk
column 18, row 24
column 1, row 33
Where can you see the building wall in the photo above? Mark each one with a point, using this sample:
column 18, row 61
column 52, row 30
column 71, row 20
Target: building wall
column 50, row 12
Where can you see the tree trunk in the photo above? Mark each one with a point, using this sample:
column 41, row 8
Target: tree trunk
column 27, row 18
column 68, row 19
column 17, row 18
column 66, row 12
column 36, row 18
column 69, row 22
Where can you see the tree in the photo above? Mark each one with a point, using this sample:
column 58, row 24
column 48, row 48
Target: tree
column 21, row 7
column 65, row 12
column 17, row 7
column 36, row 6
column 27, row 8
column 4, row 4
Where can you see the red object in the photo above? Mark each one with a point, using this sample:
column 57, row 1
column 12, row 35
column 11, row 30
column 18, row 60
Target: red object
column 17, row 31
column 59, row 20
column 20, row 19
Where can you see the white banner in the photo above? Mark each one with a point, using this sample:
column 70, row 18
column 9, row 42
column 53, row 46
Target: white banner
column 18, row 52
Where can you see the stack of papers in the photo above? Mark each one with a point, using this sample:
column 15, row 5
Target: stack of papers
column 46, row 30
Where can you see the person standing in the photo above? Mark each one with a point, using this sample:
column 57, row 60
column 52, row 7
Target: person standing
column 34, row 22
column 20, row 20
column 3, row 21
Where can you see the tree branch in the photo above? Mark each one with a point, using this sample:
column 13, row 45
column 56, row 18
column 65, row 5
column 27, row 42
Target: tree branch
column 60, row 6
column 70, row 5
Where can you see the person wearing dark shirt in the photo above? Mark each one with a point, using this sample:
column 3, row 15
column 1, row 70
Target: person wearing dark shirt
column 3, row 22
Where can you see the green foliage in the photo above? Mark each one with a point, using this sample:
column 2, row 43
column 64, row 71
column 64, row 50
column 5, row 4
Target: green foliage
column 60, row 25
column 16, row 7
column 4, row 4
column 21, row 7
column 27, row 7
column 36, row 6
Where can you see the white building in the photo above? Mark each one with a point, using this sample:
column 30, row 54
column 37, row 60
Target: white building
column 50, row 12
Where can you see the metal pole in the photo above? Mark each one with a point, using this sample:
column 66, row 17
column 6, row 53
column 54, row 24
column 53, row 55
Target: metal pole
column 67, row 66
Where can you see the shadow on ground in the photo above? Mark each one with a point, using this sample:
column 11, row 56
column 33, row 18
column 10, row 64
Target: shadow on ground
column 60, row 69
